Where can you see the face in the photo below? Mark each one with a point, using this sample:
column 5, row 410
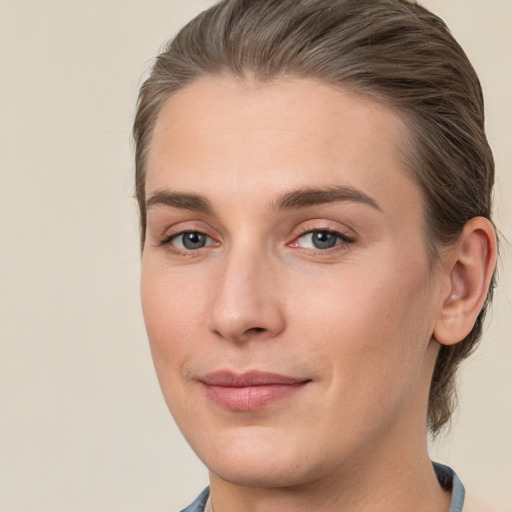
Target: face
column 285, row 286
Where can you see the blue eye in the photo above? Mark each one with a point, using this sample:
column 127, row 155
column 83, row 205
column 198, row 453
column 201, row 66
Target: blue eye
column 320, row 240
column 324, row 239
column 191, row 240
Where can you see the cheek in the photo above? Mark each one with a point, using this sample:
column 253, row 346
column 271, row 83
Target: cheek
column 373, row 327
column 171, row 315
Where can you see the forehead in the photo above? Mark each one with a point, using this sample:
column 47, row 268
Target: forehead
column 257, row 138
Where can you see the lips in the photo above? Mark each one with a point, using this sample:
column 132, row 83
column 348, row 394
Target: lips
column 251, row 390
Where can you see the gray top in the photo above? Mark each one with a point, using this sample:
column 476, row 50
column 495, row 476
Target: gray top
column 446, row 476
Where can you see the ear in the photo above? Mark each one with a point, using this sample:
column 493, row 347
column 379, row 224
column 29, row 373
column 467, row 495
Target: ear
column 468, row 267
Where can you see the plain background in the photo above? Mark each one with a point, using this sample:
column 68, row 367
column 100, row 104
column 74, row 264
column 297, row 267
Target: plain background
column 83, row 426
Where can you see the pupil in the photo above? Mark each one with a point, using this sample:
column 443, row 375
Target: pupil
column 194, row 240
column 324, row 239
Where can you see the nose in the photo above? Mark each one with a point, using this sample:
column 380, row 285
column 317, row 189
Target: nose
column 246, row 302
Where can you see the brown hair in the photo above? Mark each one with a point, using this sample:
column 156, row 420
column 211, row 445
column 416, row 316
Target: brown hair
column 393, row 50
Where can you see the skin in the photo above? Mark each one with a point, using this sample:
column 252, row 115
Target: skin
column 355, row 320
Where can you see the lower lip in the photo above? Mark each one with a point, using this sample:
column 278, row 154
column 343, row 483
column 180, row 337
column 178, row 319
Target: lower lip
column 250, row 397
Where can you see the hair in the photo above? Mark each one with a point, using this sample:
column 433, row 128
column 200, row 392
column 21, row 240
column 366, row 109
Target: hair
column 394, row 51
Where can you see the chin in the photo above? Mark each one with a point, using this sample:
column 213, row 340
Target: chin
column 257, row 460
column 268, row 473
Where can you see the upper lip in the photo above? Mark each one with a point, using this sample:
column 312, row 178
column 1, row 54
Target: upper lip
column 229, row 378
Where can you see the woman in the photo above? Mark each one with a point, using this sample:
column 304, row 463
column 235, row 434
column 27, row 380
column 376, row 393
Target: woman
column 314, row 184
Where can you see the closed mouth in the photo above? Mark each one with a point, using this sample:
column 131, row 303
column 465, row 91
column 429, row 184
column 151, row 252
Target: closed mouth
column 249, row 390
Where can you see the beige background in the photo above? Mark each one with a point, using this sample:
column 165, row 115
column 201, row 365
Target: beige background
column 82, row 424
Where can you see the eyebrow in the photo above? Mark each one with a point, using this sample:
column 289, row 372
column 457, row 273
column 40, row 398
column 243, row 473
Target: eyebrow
column 179, row 200
column 292, row 200
column 304, row 197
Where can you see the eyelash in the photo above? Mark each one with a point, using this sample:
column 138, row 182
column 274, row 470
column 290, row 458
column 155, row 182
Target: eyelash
column 167, row 241
column 342, row 240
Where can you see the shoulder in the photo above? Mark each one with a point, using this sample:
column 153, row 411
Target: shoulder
column 199, row 503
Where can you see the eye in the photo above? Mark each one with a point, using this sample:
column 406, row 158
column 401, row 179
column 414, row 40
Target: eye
column 191, row 240
column 320, row 239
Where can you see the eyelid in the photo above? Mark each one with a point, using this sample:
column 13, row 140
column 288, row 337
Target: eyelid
column 319, row 226
column 343, row 237
column 180, row 234
column 180, row 228
column 345, row 232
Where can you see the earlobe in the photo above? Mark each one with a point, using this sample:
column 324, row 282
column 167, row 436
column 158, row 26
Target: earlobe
column 468, row 266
